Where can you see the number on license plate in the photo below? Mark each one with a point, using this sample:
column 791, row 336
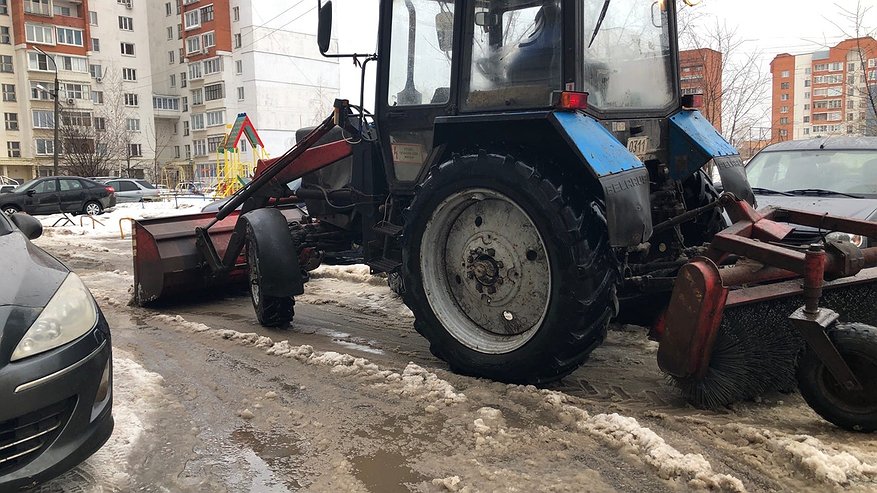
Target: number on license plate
column 638, row 146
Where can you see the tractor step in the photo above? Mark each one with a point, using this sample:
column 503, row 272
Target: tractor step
column 388, row 229
column 384, row 265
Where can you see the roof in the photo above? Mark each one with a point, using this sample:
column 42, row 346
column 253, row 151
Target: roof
column 835, row 143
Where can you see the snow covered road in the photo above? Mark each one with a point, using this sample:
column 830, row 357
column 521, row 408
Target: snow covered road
column 350, row 399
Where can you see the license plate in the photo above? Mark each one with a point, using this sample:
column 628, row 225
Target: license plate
column 638, row 146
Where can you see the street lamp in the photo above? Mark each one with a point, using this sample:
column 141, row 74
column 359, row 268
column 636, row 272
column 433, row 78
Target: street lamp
column 57, row 95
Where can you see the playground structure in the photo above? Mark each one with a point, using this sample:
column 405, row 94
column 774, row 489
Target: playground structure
column 233, row 172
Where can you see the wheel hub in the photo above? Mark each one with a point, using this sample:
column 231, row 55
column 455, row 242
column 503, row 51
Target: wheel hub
column 482, row 268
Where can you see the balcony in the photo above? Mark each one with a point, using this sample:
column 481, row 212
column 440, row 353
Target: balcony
column 166, row 106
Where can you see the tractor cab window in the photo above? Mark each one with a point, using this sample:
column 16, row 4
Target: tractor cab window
column 421, row 52
column 516, row 55
column 627, row 61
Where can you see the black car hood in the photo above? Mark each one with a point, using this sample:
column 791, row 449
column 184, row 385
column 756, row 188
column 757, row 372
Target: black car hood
column 30, row 276
column 836, row 206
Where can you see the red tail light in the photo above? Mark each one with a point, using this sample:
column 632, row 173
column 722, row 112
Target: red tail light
column 692, row 101
column 110, row 189
column 571, row 100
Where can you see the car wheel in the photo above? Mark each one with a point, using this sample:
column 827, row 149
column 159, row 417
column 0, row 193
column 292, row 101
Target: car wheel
column 10, row 209
column 92, row 208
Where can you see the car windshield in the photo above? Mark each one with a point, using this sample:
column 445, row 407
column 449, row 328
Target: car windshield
column 26, row 185
column 627, row 61
column 146, row 184
column 844, row 171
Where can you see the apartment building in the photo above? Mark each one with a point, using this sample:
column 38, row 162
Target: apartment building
column 825, row 92
column 166, row 78
column 700, row 72
column 214, row 59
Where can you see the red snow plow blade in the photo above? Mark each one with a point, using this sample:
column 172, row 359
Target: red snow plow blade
column 168, row 263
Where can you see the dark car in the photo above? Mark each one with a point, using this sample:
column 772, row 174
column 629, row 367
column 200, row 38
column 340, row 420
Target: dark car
column 835, row 175
column 55, row 363
column 55, row 194
column 7, row 188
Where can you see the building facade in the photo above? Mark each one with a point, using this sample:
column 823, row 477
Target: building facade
column 823, row 93
column 700, row 72
column 153, row 84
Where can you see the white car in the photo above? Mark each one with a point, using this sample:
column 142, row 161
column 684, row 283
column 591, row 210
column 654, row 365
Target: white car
column 133, row 190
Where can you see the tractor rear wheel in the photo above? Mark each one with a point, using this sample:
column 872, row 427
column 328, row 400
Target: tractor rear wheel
column 854, row 410
column 272, row 311
column 508, row 279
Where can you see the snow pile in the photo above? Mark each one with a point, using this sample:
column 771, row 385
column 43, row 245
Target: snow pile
column 816, row 459
column 356, row 273
column 136, row 393
column 625, row 433
column 108, row 223
column 182, row 322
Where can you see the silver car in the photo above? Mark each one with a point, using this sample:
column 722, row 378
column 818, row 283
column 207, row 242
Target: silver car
column 133, row 190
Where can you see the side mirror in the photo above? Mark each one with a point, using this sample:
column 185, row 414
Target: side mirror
column 444, row 30
column 324, row 27
column 31, row 192
column 28, row 225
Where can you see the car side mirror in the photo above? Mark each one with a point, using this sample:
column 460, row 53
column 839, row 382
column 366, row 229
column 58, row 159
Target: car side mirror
column 444, row 30
column 324, row 27
column 28, row 225
column 31, row 192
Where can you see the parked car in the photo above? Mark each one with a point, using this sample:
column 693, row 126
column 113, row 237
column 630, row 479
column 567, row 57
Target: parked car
column 133, row 190
column 191, row 187
column 55, row 363
column 56, row 194
column 835, row 175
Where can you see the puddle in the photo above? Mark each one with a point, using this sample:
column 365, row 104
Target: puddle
column 385, row 472
column 275, row 459
column 359, row 347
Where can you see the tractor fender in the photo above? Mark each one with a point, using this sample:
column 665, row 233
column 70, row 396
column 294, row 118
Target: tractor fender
column 584, row 152
column 278, row 255
column 694, row 142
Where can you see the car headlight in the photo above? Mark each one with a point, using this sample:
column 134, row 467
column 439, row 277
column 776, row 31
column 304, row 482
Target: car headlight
column 70, row 314
column 857, row 240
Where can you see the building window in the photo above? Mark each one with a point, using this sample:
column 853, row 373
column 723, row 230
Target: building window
column 784, row 97
column 184, row 103
column 41, row 91
column 193, row 44
column 806, row 95
column 240, row 93
column 806, row 82
column 96, row 71
column 212, row 66
column 132, row 124
column 197, row 97
column 197, row 121
column 135, row 150
column 236, row 13
column 4, row 8
column 176, row 152
column 43, row 118
column 784, row 85
column 185, row 128
column 200, row 147
column 215, row 118
column 213, row 92
column 6, row 64
column 35, row 33
column 171, row 57
column 168, row 9
column 66, row 11
column 806, row 106
column 213, row 143
column 784, row 121
column 784, row 132
column 188, row 151
column 127, row 49
column 95, row 45
column 126, row 23
column 166, row 103
column 170, row 33
column 195, row 71
column 40, row 7
column 100, row 123
column 8, row 92
column 5, row 37
column 45, row 147
column 92, row 17
column 192, row 19
column 179, row 31
column 784, row 73
column 11, row 120
column 129, row 74
column 131, row 99
column 784, row 109
column 76, row 91
column 208, row 40
column 97, row 97
column 67, row 36
column 206, row 14
column 239, row 67
column 13, row 149
column 173, row 80
column 183, row 80
column 237, row 40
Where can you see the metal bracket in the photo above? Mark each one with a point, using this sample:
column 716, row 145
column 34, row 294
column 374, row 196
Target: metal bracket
column 812, row 327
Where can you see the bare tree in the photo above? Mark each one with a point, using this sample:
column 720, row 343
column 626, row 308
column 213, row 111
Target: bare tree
column 864, row 94
column 159, row 140
column 94, row 142
column 739, row 91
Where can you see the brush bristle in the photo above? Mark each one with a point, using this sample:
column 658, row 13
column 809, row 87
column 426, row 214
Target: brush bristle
column 756, row 348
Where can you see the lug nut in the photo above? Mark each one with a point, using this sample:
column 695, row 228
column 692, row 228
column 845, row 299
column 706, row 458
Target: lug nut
column 491, row 252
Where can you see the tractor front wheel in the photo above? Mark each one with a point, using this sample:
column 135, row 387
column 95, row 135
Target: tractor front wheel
column 508, row 278
column 272, row 311
column 854, row 410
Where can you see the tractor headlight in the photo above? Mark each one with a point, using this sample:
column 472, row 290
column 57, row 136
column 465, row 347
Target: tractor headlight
column 70, row 314
column 857, row 240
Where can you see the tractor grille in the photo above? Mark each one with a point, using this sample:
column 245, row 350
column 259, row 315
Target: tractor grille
column 23, row 438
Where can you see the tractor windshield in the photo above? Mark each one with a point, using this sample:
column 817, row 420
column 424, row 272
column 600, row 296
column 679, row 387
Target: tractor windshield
column 516, row 54
column 627, row 61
